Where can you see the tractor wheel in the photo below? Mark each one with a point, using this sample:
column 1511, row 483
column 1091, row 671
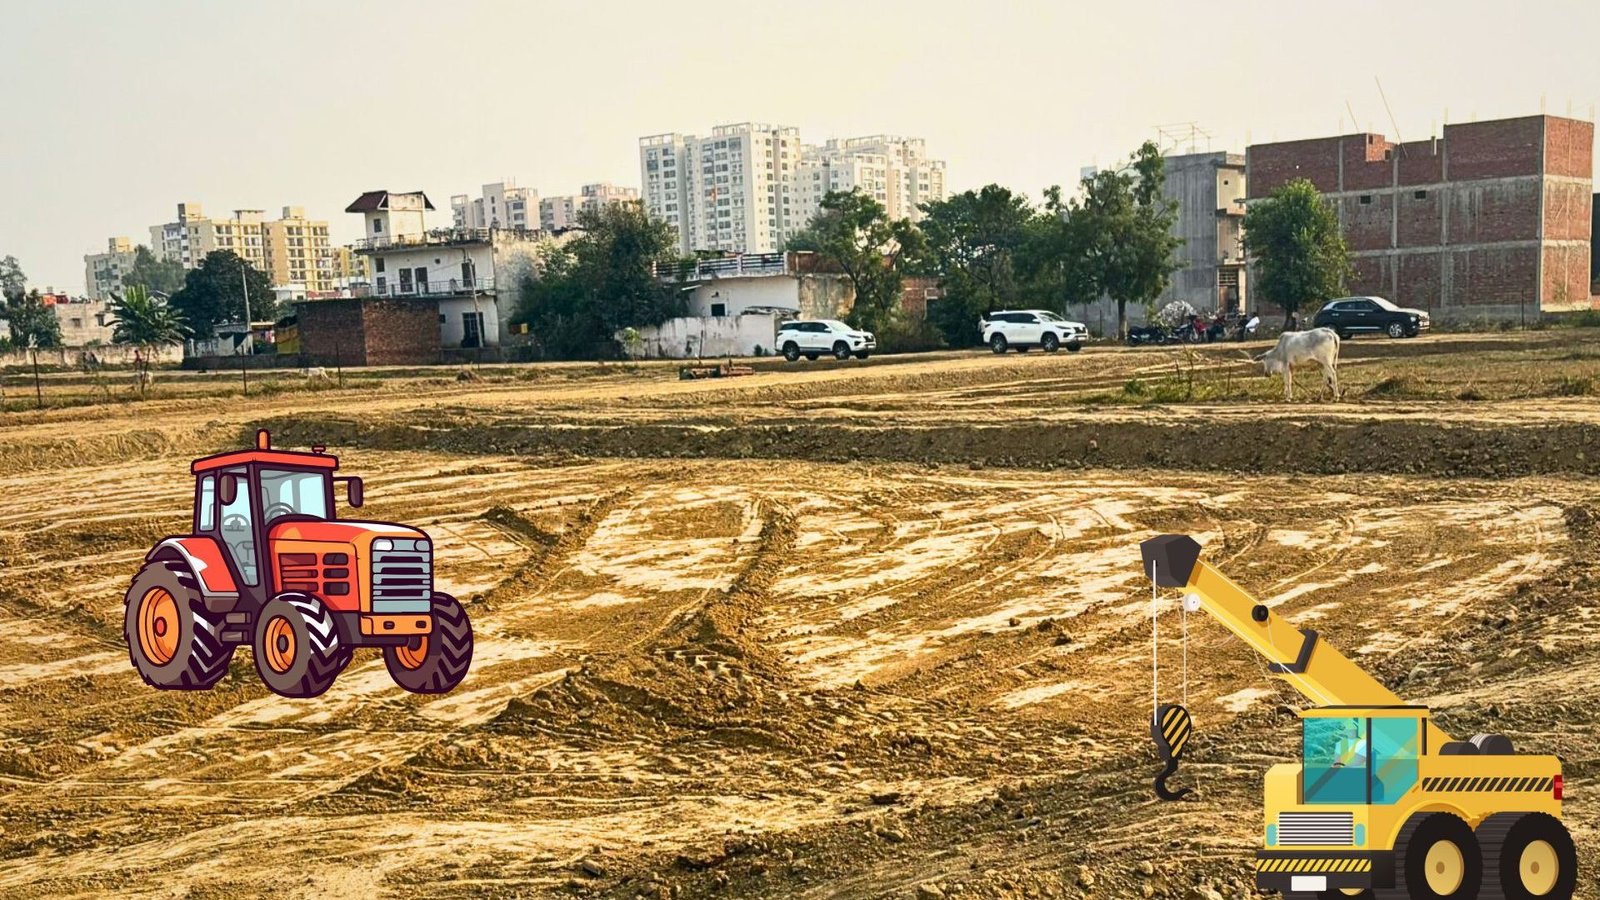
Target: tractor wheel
column 173, row 642
column 1437, row 858
column 1527, row 856
column 297, row 647
column 434, row 663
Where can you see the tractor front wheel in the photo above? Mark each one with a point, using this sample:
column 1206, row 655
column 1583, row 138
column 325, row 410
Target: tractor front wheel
column 173, row 642
column 297, row 647
column 434, row 663
column 1437, row 858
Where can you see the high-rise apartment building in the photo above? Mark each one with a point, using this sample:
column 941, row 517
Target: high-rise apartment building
column 297, row 251
column 103, row 272
column 558, row 213
column 748, row 187
column 503, row 205
column 730, row 191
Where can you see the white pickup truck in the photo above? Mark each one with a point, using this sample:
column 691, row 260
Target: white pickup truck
column 1024, row 329
column 813, row 337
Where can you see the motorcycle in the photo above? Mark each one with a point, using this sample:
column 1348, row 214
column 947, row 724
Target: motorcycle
column 1147, row 335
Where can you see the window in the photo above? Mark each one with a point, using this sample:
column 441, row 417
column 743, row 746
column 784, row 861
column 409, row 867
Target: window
column 1419, row 195
column 237, row 533
column 377, row 226
column 205, row 507
column 1366, row 199
column 1337, row 753
column 290, row 493
column 1396, row 744
column 718, row 310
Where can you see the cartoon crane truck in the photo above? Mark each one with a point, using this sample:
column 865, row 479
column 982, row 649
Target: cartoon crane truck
column 268, row 564
column 1383, row 804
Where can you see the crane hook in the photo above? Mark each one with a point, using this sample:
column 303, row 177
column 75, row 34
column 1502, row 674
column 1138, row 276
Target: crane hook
column 1170, row 727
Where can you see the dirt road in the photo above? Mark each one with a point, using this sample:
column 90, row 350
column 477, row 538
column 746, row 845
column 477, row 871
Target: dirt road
column 763, row 677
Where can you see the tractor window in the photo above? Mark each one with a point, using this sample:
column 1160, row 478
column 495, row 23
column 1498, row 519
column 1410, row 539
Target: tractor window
column 237, row 531
column 1395, row 743
column 285, row 492
column 205, row 504
column 1336, row 755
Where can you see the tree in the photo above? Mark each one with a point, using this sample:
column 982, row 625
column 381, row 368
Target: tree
column 854, row 232
column 1130, row 246
column 145, row 321
column 12, row 282
column 214, row 293
column 1054, row 267
column 1298, row 257
column 591, row 287
column 972, row 243
column 165, row 276
column 30, row 318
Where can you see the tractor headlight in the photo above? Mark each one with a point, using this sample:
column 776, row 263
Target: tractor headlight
column 423, row 546
column 383, row 544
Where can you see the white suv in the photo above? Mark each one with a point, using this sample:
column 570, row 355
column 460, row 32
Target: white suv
column 813, row 337
column 1025, row 329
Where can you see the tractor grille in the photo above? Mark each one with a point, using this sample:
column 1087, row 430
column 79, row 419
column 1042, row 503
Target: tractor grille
column 402, row 578
column 1301, row 829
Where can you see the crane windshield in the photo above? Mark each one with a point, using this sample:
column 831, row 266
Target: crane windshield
column 1337, row 753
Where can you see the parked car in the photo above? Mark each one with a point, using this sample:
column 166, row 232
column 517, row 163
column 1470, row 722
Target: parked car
column 813, row 337
column 1025, row 329
column 1358, row 315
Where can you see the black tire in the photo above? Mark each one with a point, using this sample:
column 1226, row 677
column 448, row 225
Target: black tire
column 1396, row 330
column 1074, row 345
column 434, row 663
column 1049, row 343
column 861, row 354
column 791, row 351
column 998, row 343
column 1420, row 836
column 297, row 646
column 812, row 357
column 1023, row 348
column 1505, row 838
column 197, row 658
column 841, row 350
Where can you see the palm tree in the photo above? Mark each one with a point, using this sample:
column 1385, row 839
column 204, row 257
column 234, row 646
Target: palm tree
column 146, row 322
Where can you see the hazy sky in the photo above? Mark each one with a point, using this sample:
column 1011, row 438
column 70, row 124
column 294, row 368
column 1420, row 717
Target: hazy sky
column 114, row 111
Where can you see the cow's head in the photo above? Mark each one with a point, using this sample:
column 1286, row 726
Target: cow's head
column 1272, row 362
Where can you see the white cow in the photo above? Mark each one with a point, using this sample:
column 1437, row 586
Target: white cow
column 315, row 373
column 1319, row 345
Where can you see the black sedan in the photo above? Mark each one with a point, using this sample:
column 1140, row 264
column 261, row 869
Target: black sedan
column 1359, row 315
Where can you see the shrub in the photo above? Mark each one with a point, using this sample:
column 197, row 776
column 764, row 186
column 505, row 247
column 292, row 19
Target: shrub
column 910, row 334
column 1572, row 386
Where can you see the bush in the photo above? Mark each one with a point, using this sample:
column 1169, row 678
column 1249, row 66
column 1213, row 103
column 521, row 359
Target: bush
column 910, row 334
column 1572, row 386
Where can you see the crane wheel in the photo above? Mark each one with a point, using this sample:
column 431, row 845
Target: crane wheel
column 1528, row 856
column 1437, row 858
column 297, row 646
column 434, row 663
column 172, row 641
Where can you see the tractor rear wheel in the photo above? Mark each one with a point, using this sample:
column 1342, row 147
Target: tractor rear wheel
column 1528, row 855
column 173, row 642
column 434, row 663
column 297, row 646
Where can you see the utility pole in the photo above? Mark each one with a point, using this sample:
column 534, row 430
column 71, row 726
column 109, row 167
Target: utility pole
column 38, row 389
column 249, row 335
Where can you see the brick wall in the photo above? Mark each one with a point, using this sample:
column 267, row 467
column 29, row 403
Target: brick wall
column 369, row 332
column 330, row 332
column 1468, row 221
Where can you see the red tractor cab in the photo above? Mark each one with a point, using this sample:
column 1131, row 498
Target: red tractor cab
column 269, row 564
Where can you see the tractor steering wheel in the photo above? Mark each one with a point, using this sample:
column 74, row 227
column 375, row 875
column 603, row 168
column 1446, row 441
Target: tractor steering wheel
column 276, row 510
column 235, row 522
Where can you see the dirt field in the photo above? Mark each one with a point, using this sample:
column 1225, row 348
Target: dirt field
column 828, row 631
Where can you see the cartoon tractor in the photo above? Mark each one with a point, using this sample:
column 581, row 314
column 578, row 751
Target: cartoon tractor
column 269, row 565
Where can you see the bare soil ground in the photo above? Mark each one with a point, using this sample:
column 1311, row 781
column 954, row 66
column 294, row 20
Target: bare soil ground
column 829, row 631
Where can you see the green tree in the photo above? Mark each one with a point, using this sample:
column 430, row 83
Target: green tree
column 213, row 293
column 854, row 232
column 145, row 321
column 13, row 283
column 972, row 243
column 600, row 282
column 30, row 318
column 165, row 276
column 1054, row 267
column 1298, row 257
column 1130, row 247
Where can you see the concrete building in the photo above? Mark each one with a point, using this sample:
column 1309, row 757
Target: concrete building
column 103, row 272
column 349, row 268
column 1209, row 189
column 730, row 191
column 895, row 171
column 297, row 251
column 502, row 205
column 470, row 274
column 82, row 321
column 560, row 213
column 603, row 193
column 1491, row 220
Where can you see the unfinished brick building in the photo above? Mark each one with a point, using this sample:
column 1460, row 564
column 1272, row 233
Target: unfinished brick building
column 369, row 331
column 1492, row 220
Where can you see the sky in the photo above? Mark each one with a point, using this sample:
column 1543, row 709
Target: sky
column 116, row 111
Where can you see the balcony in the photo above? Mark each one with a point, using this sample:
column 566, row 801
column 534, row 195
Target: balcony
column 438, row 237
column 743, row 265
column 454, row 287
